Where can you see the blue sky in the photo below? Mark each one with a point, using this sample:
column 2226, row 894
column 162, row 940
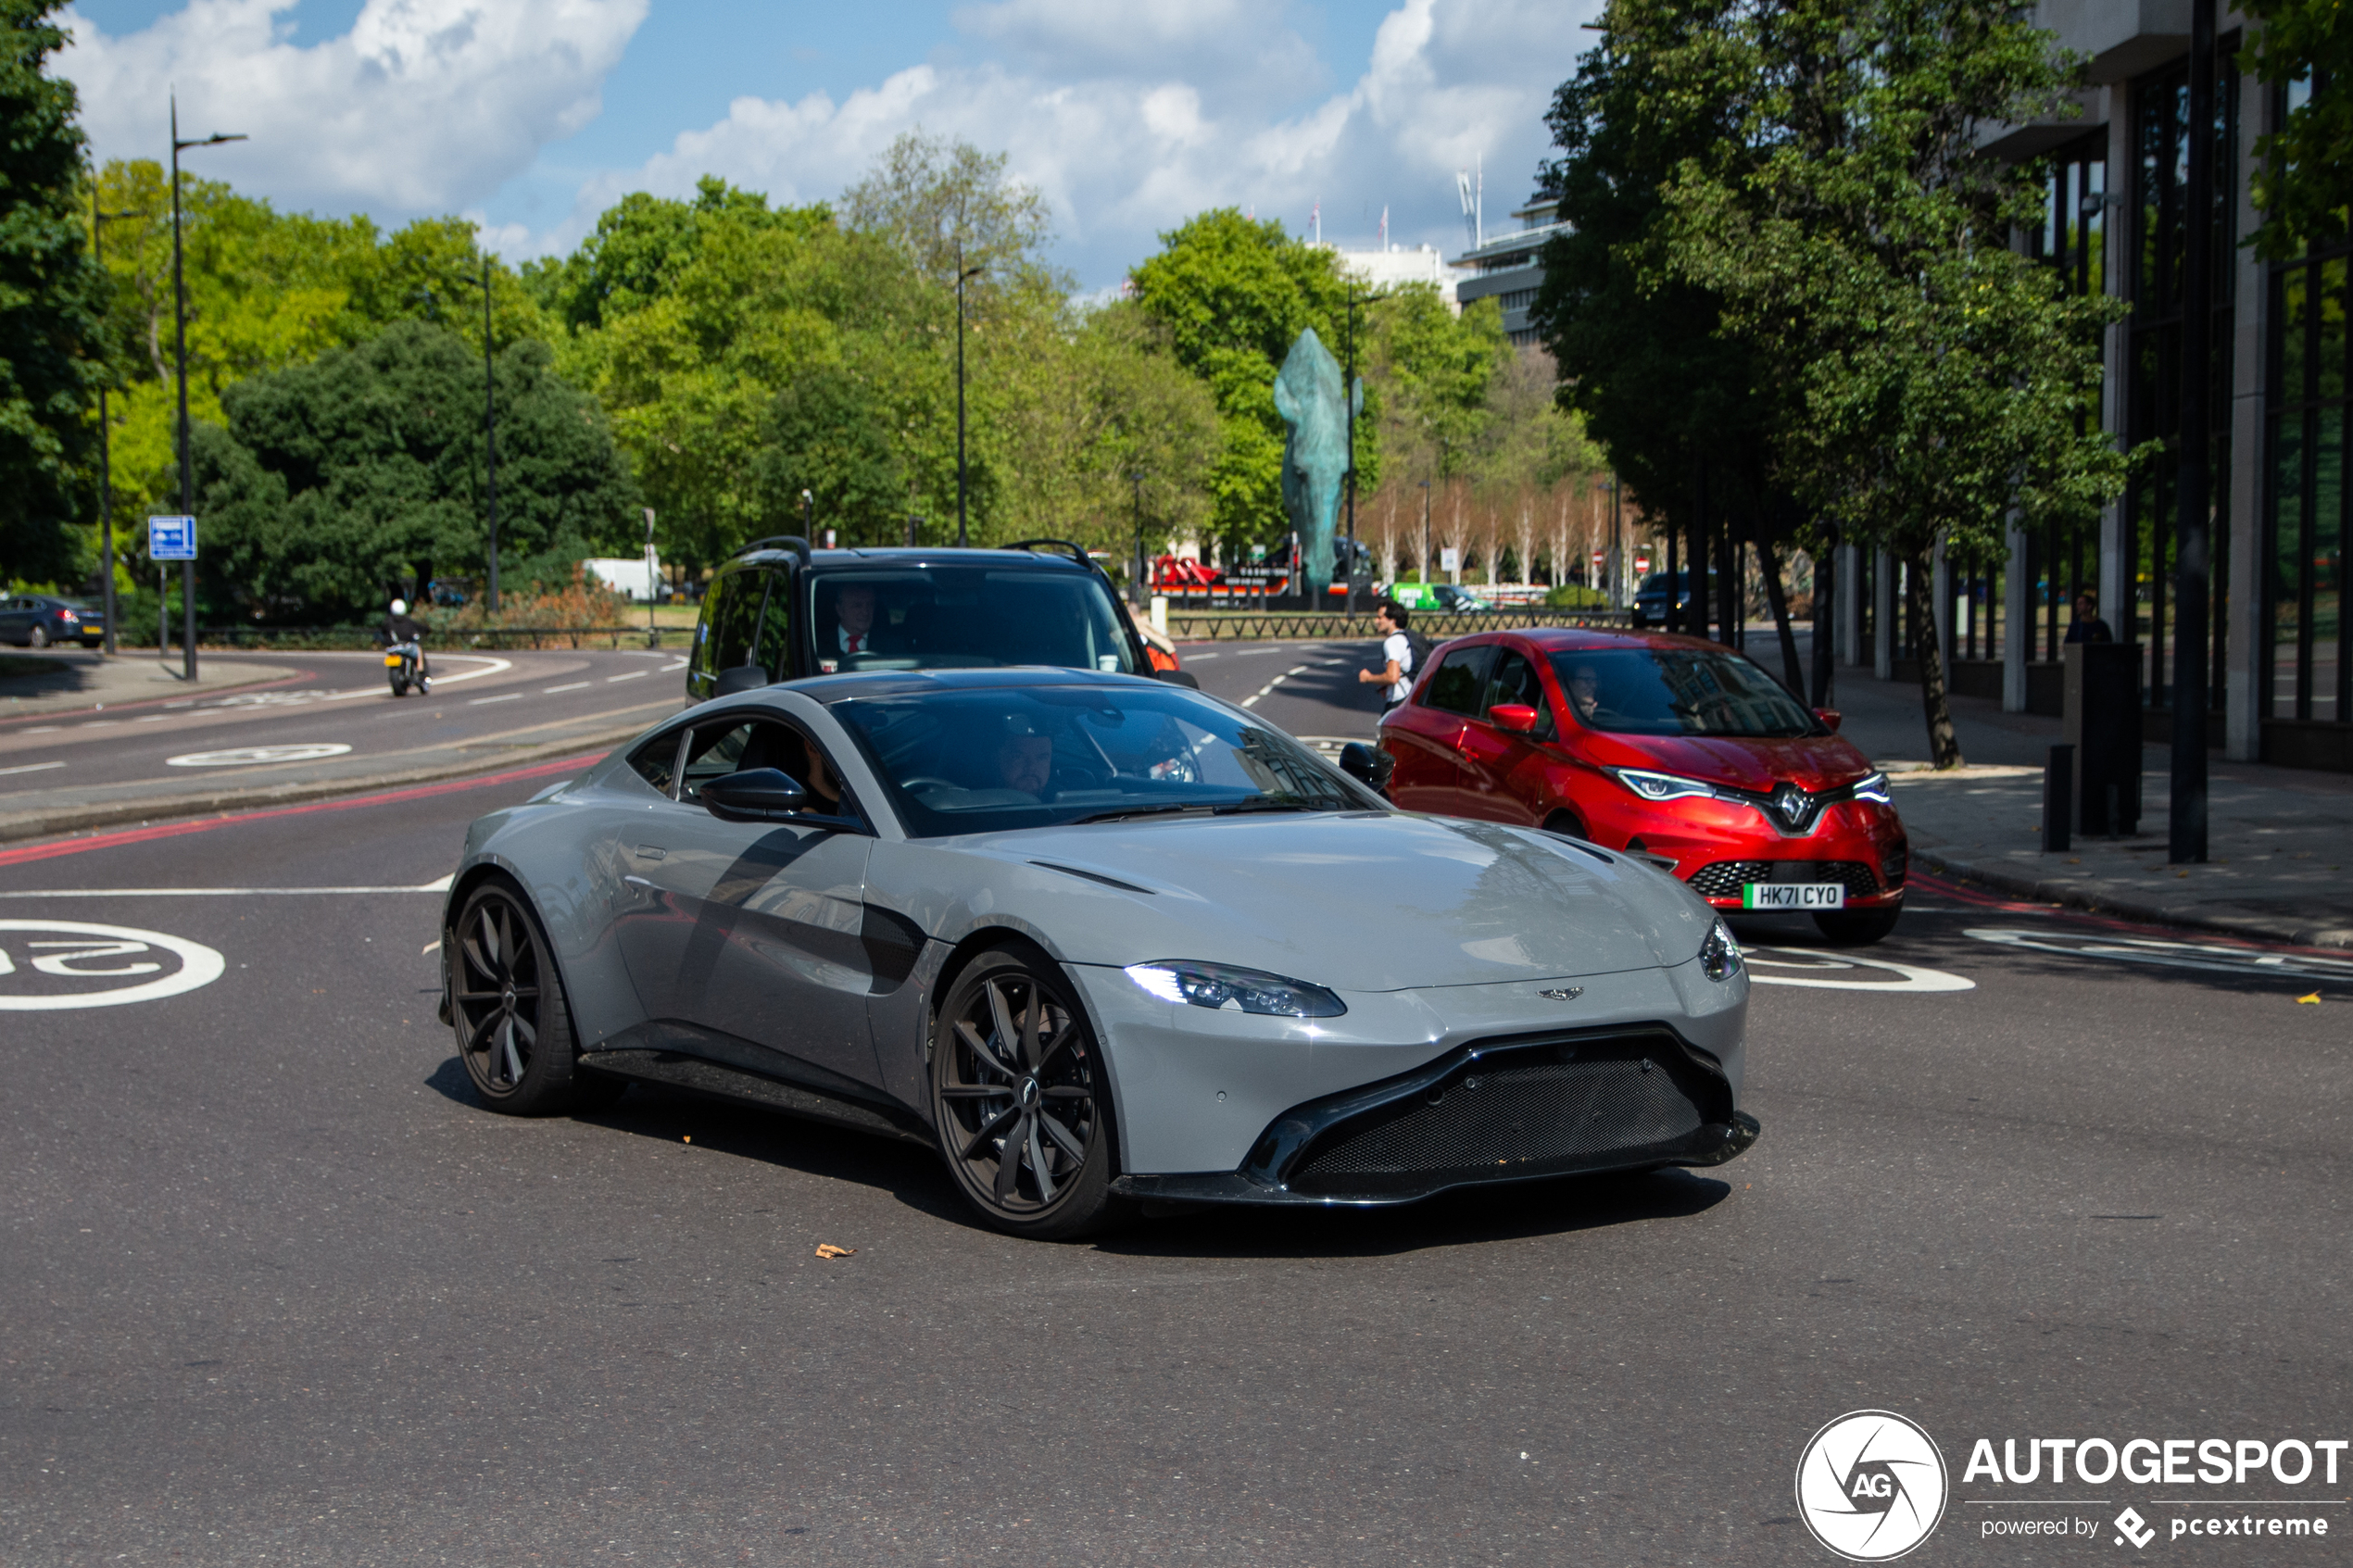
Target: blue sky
column 531, row 115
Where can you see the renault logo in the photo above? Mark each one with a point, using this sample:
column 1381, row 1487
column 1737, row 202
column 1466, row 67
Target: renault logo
column 1792, row 803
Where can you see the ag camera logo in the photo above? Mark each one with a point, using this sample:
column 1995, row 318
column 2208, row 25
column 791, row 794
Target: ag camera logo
column 1871, row 1485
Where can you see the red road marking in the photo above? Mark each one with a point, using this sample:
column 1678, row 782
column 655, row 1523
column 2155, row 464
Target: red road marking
column 205, row 824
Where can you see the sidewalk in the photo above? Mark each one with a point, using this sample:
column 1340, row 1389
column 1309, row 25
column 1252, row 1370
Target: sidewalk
column 76, row 680
column 2279, row 840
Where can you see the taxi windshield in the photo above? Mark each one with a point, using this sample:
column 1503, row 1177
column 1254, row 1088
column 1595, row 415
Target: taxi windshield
column 959, row 615
column 989, row 759
column 1677, row 690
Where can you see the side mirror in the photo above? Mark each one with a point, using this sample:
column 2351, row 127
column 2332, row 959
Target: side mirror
column 742, row 678
column 1368, row 766
column 756, row 795
column 1830, row 718
column 1177, row 678
column 1517, row 718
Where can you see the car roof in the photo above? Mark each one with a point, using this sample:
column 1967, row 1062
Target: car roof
column 900, row 555
column 907, row 683
column 1595, row 638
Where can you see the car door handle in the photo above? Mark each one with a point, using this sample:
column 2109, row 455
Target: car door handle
column 650, row 852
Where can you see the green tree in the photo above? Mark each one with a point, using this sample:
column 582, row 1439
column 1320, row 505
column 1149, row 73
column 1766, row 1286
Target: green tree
column 2305, row 186
column 642, row 246
column 52, row 305
column 335, row 480
column 949, row 205
column 1929, row 381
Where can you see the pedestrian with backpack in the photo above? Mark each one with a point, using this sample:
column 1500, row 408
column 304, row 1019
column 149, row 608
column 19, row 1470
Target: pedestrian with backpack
column 1403, row 652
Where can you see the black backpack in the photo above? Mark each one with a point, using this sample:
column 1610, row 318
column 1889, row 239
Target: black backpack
column 1419, row 647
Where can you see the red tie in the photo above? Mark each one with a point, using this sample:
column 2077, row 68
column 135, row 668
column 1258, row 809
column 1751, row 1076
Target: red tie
column 858, row 644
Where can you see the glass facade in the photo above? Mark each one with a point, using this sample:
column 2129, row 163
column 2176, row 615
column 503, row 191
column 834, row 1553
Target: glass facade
column 2160, row 226
column 2062, row 563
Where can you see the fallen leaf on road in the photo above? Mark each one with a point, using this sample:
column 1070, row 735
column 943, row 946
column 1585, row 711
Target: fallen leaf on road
column 2314, row 998
column 829, row 1251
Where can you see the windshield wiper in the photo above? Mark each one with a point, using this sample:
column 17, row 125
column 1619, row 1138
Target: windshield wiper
column 1264, row 805
column 1123, row 812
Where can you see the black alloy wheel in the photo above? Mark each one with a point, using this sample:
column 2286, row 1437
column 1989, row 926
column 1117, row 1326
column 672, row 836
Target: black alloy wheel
column 1021, row 1101
column 507, row 1007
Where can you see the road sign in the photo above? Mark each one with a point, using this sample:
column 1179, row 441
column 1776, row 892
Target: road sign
column 171, row 538
column 1450, row 559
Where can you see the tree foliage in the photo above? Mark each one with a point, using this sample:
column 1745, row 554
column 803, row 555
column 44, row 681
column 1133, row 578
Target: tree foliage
column 334, row 480
column 52, row 320
column 2305, row 184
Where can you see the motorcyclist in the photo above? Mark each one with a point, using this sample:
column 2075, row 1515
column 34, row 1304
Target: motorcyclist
column 401, row 630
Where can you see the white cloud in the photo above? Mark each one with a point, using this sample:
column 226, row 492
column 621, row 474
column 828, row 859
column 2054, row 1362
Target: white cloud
column 424, row 106
column 1127, row 119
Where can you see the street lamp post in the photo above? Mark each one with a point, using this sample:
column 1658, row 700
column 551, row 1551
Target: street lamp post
column 1135, row 587
column 963, row 274
column 180, row 349
column 1421, row 572
column 98, row 222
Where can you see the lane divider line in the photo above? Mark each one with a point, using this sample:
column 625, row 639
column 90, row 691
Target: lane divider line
column 573, row 687
column 33, row 768
column 633, row 676
column 507, row 696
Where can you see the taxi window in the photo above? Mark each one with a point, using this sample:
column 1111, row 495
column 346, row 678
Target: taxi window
column 1516, row 680
column 1460, row 680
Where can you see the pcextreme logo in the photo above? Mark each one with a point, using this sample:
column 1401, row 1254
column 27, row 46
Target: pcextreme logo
column 1871, row 1485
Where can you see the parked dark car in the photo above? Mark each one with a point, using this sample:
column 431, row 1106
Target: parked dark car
column 779, row 610
column 35, row 620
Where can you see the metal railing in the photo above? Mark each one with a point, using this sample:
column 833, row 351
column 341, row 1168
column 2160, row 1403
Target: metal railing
column 1315, row 626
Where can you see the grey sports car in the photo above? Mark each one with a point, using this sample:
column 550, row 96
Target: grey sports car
column 1099, row 940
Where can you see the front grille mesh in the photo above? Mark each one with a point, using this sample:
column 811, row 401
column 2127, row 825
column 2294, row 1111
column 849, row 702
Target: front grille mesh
column 1529, row 1118
column 1724, row 879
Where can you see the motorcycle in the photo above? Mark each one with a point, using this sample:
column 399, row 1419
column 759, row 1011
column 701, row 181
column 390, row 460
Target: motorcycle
column 404, row 666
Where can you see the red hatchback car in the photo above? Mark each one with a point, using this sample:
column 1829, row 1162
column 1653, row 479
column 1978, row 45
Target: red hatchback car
column 1666, row 747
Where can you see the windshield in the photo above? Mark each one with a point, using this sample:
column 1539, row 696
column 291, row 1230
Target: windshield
column 964, row 615
column 1677, row 692
column 987, row 760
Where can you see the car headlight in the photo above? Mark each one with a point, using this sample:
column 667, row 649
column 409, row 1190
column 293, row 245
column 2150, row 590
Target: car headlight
column 1661, row 786
column 1719, row 955
column 1224, row 987
column 1873, row 786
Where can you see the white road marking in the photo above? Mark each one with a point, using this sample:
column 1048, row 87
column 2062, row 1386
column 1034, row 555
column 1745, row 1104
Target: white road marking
column 439, row 885
column 33, row 768
column 41, row 729
column 1252, row 701
column 574, row 686
column 508, row 696
column 199, row 965
column 2211, row 956
column 431, row 946
column 1197, row 658
column 1910, row 980
column 96, row 723
column 255, row 756
column 204, row 892
column 633, row 676
column 155, row 719
column 674, row 664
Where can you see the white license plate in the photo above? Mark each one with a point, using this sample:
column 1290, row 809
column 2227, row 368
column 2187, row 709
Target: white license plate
column 1792, row 895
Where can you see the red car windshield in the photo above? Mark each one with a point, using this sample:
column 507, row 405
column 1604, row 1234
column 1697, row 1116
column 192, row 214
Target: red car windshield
column 1677, row 690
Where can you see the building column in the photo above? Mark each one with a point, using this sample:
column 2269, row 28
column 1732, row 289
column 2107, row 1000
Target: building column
column 2018, row 609
column 1940, row 604
column 1883, row 616
column 2245, row 668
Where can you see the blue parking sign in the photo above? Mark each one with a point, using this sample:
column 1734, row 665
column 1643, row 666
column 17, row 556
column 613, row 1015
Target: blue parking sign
column 171, row 538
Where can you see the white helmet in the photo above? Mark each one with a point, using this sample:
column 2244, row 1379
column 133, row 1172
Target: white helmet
column 400, row 607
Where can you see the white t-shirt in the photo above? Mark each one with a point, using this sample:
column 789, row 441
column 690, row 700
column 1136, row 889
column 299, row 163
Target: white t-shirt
column 1395, row 648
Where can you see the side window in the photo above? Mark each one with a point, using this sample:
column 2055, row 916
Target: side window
column 770, row 626
column 1515, row 680
column 731, row 619
column 733, row 745
column 1460, row 680
column 657, row 760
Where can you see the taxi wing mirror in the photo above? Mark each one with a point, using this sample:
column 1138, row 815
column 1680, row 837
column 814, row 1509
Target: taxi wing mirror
column 1830, row 718
column 742, row 678
column 1368, row 766
column 756, row 795
column 1517, row 718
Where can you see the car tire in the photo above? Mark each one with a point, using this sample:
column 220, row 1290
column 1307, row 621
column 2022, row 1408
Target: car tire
column 39, row 637
column 1857, row 928
column 508, row 1011
column 1021, row 1100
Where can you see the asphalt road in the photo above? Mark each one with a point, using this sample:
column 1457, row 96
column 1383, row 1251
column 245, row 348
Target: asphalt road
column 335, row 717
column 279, row 1292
